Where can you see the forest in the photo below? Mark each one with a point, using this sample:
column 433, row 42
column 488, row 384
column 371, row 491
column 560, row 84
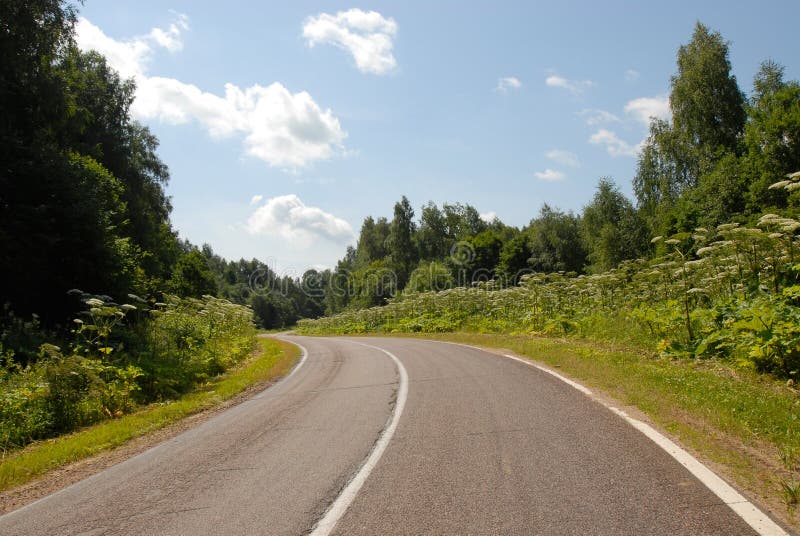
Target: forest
column 105, row 307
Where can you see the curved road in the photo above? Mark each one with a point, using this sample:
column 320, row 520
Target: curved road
column 397, row 436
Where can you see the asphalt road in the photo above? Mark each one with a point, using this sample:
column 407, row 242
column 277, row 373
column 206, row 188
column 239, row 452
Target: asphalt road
column 482, row 444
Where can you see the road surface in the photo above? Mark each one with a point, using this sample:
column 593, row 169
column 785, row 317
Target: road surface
column 423, row 438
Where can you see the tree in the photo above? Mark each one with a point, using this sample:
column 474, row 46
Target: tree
column 433, row 275
column 708, row 116
column 401, row 241
column 611, row 228
column 555, row 242
column 374, row 284
column 192, row 276
column 486, row 246
column 431, row 237
column 514, row 255
column 100, row 126
column 706, row 102
column 462, row 221
column 372, row 241
column 772, row 136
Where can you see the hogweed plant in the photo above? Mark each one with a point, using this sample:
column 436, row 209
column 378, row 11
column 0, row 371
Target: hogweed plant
column 120, row 356
column 731, row 293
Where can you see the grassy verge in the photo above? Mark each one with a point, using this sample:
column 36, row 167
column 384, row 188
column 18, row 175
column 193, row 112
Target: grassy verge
column 747, row 425
column 271, row 359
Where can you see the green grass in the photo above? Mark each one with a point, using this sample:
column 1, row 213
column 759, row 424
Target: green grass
column 272, row 359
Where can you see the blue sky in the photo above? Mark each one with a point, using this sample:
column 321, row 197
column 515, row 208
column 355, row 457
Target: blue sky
column 333, row 111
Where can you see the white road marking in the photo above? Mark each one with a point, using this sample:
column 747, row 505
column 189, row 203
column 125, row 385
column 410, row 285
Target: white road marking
column 270, row 388
column 302, row 359
column 754, row 517
column 566, row 380
column 338, row 508
column 758, row 520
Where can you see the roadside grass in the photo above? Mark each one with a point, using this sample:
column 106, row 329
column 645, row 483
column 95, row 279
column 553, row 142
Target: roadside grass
column 742, row 422
column 271, row 359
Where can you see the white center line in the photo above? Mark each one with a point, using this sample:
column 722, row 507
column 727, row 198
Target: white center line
column 338, row 508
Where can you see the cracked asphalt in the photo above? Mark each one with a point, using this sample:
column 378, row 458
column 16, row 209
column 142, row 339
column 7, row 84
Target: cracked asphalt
column 485, row 445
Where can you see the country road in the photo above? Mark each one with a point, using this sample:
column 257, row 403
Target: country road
column 423, row 437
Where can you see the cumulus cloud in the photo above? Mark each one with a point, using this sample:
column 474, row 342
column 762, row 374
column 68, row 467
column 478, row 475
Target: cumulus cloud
column 594, row 117
column 549, row 175
column 256, row 199
column 129, row 57
column 367, row 35
column 282, row 128
column 576, row 87
column 565, row 158
column 288, row 217
column 489, row 216
column 509, row 82
column 645, row 108
column 613, row 143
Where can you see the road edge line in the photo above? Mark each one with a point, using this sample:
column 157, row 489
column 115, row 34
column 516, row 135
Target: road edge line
column 299, row 364
column 741, row 506
column 339, row 506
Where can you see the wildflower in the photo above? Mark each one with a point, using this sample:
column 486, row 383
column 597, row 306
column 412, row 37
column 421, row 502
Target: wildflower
column 778, row 185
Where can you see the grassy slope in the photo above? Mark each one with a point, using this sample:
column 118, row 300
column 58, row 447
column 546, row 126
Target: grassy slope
column 738, row 421
column 272, row 359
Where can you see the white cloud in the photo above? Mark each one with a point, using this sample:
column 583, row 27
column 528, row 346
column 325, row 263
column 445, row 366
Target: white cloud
column 130, row 57
column 279, row 127
column 489, row 216
column 565, row 158
column 576, row 87
column 549, row 175
column 614, row 144
column 171, row 37
column 288, row 217
column 509, row 82
column 645, row 108
column 632, row 75
column 367, row 35
column 256, row 199
column 594, row 117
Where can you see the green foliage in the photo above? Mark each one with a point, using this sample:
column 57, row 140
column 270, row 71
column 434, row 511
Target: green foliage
column 555, row 243
column 731, row 293
column 400, row 242
column 121, row 356
column 707, row 105
column 682, row 163
column 372, row 241
column 611, row 228
column 430, row 276
column 81, row 181
column 192, row 276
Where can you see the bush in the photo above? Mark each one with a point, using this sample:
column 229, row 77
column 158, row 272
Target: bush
column 120, row 356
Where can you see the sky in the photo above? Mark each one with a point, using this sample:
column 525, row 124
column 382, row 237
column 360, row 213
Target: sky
column 285, row 124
